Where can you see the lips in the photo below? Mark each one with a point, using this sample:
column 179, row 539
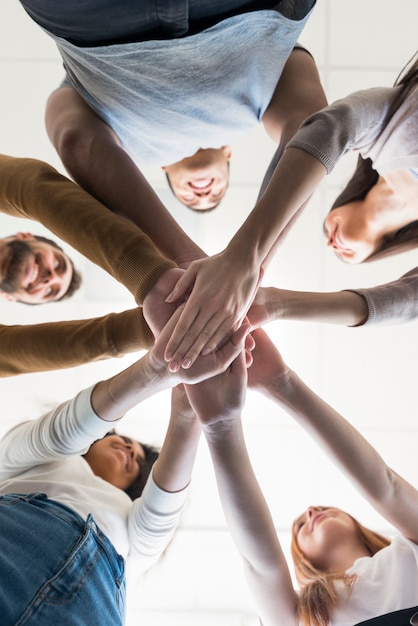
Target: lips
column 33, row 276
column 126, row 455
column 201, row 184
column 315, row 519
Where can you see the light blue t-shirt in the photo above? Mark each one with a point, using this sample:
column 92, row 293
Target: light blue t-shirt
column 167, row 99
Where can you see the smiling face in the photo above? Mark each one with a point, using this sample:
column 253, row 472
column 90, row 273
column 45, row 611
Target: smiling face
column 200, row 181
column 116, row 459
column 33, row 271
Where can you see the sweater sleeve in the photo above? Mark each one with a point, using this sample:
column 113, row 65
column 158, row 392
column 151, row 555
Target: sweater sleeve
column 153, row 520
column 34, row 190
column 394, row 302
column 58, row 345
column 69, row 429
column 352, row 123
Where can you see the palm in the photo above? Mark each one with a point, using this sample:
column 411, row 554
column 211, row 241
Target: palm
column 268, row 364
column 222, row 396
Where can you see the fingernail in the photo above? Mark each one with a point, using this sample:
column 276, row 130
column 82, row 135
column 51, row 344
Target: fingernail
column 168, row 297
column 186, row 363
column 206, row 351
column 168, row 356
column 173, row 367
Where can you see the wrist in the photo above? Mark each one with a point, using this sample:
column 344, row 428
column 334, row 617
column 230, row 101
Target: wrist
column 220, row 432
column 280, row 387
column 156, row 372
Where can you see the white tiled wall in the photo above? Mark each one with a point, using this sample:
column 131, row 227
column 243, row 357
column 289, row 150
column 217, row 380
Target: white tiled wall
column 368, row 374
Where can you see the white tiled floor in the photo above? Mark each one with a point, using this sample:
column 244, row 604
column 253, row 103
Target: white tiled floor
column 368, row 374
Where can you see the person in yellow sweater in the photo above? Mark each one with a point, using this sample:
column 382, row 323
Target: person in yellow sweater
column 32, row 189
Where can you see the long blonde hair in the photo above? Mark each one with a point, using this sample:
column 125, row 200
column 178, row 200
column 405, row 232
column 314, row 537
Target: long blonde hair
column 318, row 595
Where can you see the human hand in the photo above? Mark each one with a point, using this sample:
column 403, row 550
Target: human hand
column 219, row 401
column 263, row 307
column 181, row 408
column 268, row 366
column 205, row 366
column 156, row 310
column 219, row 291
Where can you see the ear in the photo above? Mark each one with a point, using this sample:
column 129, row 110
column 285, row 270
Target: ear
column 7, row 296
column 227, row 151
column 24, row 236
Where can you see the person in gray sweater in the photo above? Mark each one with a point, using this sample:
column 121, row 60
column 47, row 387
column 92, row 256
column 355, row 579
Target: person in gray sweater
column 394, row 302
column 379, row 123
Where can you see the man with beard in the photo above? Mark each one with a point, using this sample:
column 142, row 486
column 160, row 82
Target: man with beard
column 34, row 270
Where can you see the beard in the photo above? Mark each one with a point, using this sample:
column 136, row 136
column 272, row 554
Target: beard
column 19, row 252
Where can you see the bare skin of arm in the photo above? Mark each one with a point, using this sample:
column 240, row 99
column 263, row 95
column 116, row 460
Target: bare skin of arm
column 392, row 496
column 91, row 153
column 173, row 469
column 218, row 404
column 113, row 397
column 214, row 306
column 346, row 308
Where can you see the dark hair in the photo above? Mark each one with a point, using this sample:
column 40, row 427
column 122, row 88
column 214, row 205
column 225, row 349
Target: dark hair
column 365, row 177
column 136, row 488
column 76, row 279
column 212, row 208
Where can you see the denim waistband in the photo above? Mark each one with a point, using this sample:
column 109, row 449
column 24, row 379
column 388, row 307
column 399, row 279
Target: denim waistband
column 41, row 500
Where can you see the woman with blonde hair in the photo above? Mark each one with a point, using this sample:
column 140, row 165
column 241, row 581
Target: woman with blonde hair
column 348, row 574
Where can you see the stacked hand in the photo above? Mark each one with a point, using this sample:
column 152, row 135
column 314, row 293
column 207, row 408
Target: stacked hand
column 219, row 292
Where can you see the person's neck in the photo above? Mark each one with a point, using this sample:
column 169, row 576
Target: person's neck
column 346, row 556
column 393, row 202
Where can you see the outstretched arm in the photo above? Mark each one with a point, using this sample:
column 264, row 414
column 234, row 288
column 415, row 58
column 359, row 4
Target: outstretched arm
column 75, row 425
column 391, row 495
column 173, row 469
column 339, row 307
column 216, row 305
column 154, row 516
column 91, row 153
column 394, row 302
column 218, row 404
column 57, row 345
column 32, row 189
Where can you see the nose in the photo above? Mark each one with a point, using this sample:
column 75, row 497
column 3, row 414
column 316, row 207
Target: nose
column 311, row 511
column 46, row 277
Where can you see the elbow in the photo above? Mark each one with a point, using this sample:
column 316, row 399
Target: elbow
column 74, row 149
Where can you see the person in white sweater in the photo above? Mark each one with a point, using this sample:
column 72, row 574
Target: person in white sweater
column 67, row 521
column 347, row 573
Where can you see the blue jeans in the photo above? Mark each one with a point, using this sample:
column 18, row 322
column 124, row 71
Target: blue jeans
column 102, row 22
column 55, row 568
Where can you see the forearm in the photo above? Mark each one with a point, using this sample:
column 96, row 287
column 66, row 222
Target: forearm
column 251, row 526
column 349, row 451
column 34, row 190
column 58, row 345
column 113, row 397
column 91, row 153
column 294, row 180
column 69, row 429
column 341, row 307
column 173, row 469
